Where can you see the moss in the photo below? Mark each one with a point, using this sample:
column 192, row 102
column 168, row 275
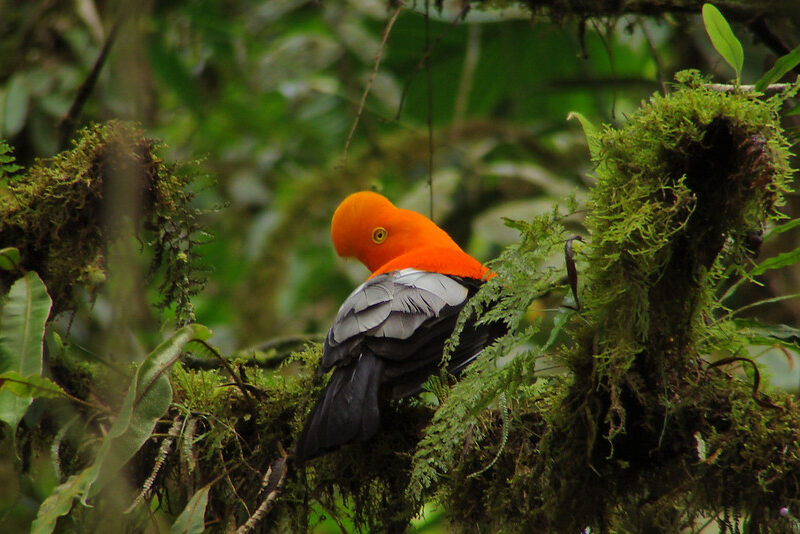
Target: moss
column 615, row 446
column 638, row 435
column 690, row 173
column 63, row 212
column 370, row 479
column 496, row 485
column 227, row 439
column 233, row 436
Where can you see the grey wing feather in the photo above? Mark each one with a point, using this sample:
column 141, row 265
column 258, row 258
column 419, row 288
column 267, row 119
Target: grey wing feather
column 401, row 325
column 354, row 322
column 365, row 309
column 418, row 296
column 367, row 295
column 391, row 305
column 439, row 285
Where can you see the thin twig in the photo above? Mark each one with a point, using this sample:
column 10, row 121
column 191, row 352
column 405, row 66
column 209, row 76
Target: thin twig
column 606, row 38
column 654, row 53
column 280, row 466
column 230, row 481
column 265, row 482
column 371, row 80
column 459, row 17
column 584, row 54
column 67, row 123
column 756, row 379
column 292, row 339
column 429, row 84
column 471, row 57
column 228, row 367
column 267, row 361
column 761, row 30
column 730, row 88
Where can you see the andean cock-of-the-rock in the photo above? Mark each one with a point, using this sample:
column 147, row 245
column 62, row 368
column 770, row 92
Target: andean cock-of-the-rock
column 389, row 334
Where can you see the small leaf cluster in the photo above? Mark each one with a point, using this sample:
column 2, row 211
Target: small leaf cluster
column 730, row 48
column 7, row 165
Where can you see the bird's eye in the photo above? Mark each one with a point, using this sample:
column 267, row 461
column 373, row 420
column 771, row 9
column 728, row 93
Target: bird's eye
column 379, row 234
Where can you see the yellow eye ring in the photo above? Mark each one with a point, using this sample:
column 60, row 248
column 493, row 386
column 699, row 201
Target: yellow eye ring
column 379, row 234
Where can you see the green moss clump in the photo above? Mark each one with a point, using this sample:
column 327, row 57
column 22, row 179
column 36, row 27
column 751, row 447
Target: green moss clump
column 691, row 173
column 233, row 437
column 231, row 434
column 63, row 212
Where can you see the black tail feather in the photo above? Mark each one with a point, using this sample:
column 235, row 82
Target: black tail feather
column 347, row 411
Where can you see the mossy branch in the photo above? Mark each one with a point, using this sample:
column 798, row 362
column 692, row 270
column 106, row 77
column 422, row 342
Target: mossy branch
column 637, row 433
column 680, row 188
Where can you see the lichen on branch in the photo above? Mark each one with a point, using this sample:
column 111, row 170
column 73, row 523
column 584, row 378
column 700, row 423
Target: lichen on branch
column 62, row 214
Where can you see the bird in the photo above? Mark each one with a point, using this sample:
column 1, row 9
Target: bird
column 389, row 334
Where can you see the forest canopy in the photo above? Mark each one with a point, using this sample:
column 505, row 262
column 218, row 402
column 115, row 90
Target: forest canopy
column 168, row 174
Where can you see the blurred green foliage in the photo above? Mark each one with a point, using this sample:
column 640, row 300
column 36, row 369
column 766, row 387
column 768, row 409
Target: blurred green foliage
column 267, row 92
column 264, row 94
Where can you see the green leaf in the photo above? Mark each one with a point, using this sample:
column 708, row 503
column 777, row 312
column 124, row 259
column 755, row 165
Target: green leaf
column 558, row 325
column 191, row 519
column 15, row 108
column 784, row 259
column 148, row 398
column 59, row 502
column 31, row 387
column 21, row 339
column 770, row 334
column 781, row 67
column 723, row 39
column 781, row 228
column 590, row 131
column 9, row 259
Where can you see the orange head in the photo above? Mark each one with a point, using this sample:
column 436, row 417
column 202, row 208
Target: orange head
column 367, row 226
